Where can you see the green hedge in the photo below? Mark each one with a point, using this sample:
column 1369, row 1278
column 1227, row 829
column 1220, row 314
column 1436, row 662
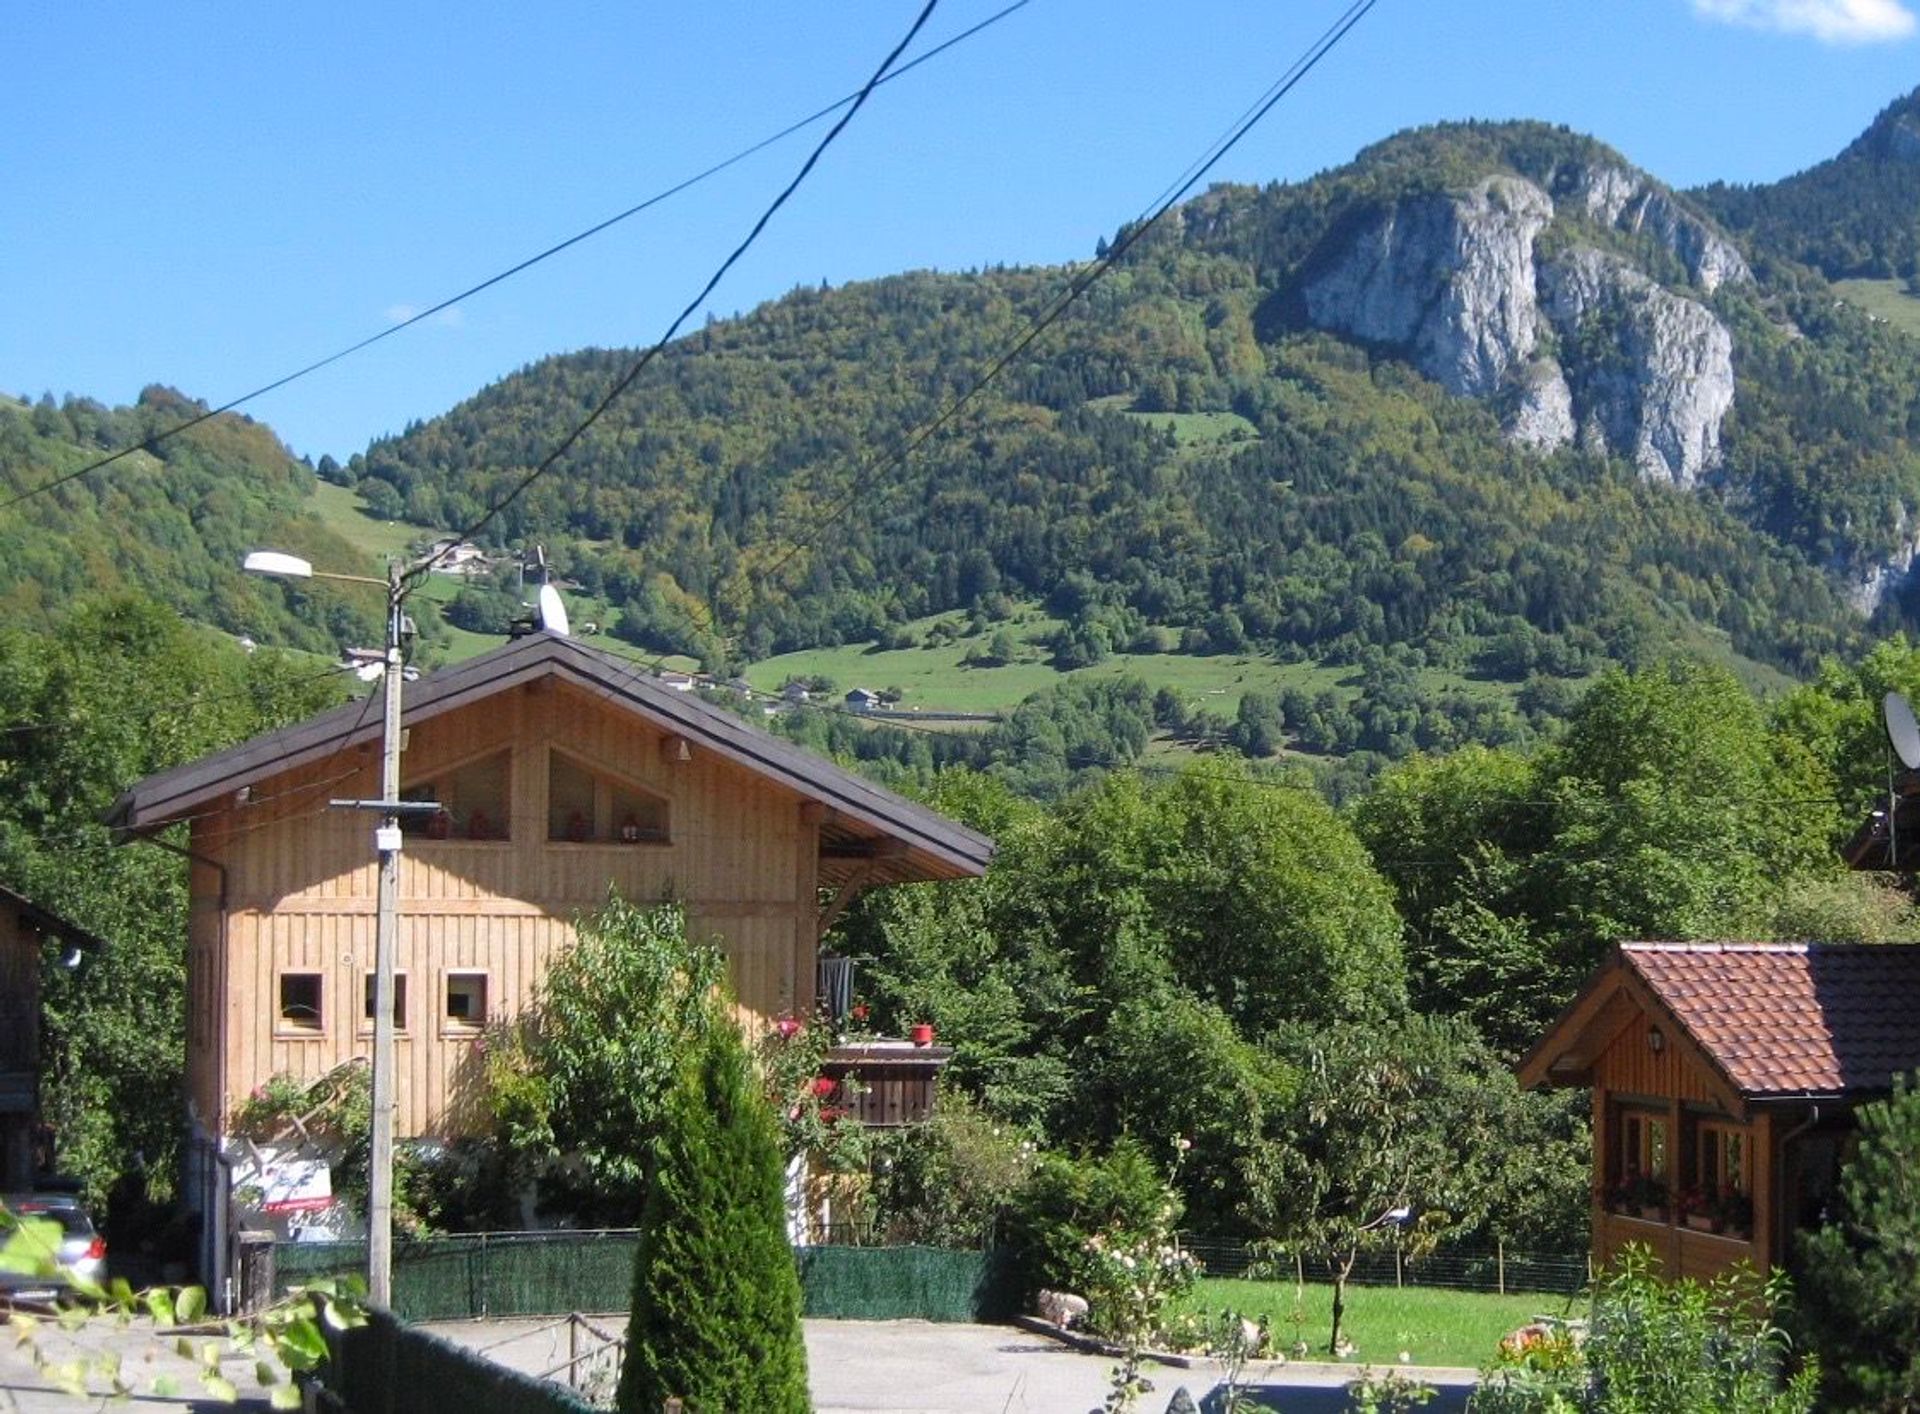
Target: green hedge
column 384, row 1367
column 552, row 1273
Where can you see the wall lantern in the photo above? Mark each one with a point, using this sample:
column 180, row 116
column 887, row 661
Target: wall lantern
column 1656, row 1041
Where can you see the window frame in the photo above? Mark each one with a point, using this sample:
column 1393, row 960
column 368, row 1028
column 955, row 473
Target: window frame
column 365, row 1025
column 608, row 785
column 286, row 1025
column 428, row 829
column 451, row 1025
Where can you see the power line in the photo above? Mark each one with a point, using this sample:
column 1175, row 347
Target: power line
column 180, row 704
column 626, row 381
column 857, row 97
column 1083, row 280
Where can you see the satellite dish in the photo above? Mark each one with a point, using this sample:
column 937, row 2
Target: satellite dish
column 551, row 615
column 1902, row 730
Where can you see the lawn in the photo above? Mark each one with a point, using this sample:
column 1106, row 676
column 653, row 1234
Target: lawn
column 342, row 511
column 1434, row 1325
column 1885, row 299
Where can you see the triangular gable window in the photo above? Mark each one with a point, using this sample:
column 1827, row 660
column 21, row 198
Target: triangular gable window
column 586, row 805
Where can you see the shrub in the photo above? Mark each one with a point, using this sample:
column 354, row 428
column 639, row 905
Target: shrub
column 949, row 1182
column 716, row 1294
column 1658, row 1347
column 1104, row 1228
column 1862, row 1271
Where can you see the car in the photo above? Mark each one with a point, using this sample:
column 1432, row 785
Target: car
column 82, row 1251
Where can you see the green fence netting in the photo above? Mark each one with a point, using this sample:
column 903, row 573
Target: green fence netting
column 385, row 1368
column 552, row 1273
column 897, row 1283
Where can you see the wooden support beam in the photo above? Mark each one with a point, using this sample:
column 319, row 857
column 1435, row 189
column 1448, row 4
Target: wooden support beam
column 844, row 896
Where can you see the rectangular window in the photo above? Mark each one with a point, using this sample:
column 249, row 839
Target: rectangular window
column 399, row 1002
column 570, row 803
column 475, row 801
column 300, row 1000
column 1639, row 1182
column 466, row 1000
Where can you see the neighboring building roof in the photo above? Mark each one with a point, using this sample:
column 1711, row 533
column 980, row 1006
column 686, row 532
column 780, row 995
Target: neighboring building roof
column 1775, row 1020
column 864, row 817
column 52, row 924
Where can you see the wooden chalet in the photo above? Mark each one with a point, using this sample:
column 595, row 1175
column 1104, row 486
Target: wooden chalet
column 562, row 772
column 1724, row 1079
column 25, row 1147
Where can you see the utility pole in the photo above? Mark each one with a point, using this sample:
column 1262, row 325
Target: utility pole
column 385, row 941
column 386, row 928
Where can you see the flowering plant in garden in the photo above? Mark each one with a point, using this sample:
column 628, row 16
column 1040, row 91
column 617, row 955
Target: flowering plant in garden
column 812, row 1107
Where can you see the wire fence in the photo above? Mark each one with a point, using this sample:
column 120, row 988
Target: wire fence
column 1459, row 1268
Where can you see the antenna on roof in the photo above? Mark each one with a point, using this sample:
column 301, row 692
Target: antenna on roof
column 1903, row 734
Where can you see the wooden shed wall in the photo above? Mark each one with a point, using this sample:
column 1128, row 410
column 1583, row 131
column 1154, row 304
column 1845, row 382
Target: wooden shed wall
column 19, row 993
column 1629, row 1066
column 301, row 882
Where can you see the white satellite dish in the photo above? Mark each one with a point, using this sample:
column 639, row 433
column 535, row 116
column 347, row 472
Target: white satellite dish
column 551, row 615
column 1902, row 730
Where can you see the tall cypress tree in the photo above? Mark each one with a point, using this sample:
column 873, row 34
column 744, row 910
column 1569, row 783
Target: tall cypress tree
column 716, row 1294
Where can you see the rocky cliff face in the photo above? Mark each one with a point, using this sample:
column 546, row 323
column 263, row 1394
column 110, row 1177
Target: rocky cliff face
column 1449, row 278
column 1454, row 281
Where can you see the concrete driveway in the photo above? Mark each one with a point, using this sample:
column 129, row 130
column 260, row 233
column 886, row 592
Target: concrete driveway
column 924, row 1367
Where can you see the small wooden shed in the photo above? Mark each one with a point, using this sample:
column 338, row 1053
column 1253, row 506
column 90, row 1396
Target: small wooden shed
column 1724, row 1079
column 24, row 927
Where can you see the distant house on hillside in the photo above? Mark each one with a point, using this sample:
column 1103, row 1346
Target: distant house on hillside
column 1724, row 1078
column 25, row 1152
column 861, row 700
column 458, row 557
column 561, row 771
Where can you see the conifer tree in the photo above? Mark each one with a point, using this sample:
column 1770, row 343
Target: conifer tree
column 716, row 1293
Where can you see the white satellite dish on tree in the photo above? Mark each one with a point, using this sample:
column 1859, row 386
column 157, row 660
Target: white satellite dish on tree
column 550, row 614
column 1902, row 730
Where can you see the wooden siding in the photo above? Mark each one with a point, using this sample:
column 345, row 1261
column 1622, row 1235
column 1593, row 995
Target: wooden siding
column 1682, row 1251
column 1629, row 1066
column 301, row 882
column 19, row 994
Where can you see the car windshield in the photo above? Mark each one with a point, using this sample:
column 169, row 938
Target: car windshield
column 73, row 1222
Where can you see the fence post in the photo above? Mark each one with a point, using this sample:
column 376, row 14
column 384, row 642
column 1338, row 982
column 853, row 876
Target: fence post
column 485, row 1283
column 1397, row 1279
column 1500, row 1263
column 573, row 1350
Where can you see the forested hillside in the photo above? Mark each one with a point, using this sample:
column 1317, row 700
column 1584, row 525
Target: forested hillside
column 172, row 524
column 1193, row 461
column 1856, row 214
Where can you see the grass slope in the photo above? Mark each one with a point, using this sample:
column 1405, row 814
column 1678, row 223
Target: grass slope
column 1883, row 299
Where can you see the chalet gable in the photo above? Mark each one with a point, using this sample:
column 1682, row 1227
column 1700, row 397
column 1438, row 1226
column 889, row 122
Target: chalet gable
column 866, row 830
column 1754, row 1022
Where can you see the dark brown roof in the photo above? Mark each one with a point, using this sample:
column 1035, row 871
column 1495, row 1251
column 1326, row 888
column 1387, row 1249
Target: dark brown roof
column 1773, row 1021
column 1792, row 1018
column 864, row 815
column 51, row 924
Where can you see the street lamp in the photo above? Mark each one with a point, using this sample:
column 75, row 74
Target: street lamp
column 386, row 839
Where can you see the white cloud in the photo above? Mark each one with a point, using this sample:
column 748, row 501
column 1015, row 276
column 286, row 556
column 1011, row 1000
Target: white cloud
column 1829, row 21
column 449, row 318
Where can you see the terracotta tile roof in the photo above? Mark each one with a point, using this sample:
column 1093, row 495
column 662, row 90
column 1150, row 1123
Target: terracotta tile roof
column 1792, row 1019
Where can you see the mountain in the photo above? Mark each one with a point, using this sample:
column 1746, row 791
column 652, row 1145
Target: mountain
column 1488, row 396
column 172, row 523
column 1856, row 215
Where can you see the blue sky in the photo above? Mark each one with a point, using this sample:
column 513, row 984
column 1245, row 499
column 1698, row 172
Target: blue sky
column 209, row 195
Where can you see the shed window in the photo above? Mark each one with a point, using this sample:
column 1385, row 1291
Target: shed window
column 586, row 806
column 399, row 1001
column 475, row 800
column 300, row 1000
column 466, row 1000
column 1721, row 1157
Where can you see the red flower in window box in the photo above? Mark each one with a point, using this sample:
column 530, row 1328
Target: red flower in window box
column 824, row 1086
column 788, row 1027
